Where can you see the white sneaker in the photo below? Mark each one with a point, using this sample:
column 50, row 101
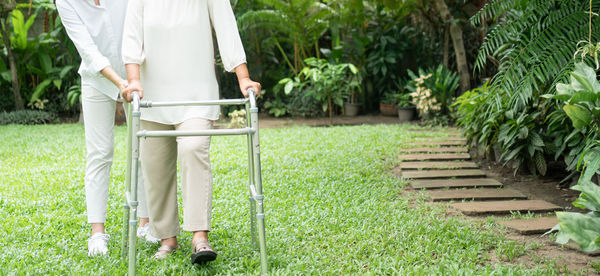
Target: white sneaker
column 97, row 244
column 144, row 233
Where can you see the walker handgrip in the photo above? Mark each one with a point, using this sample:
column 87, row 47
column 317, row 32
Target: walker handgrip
column 135, row 100
column 252, row 97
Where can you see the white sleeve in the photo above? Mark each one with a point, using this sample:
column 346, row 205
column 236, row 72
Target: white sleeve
column 80, row 36
column 228, row 37
column 133, row 33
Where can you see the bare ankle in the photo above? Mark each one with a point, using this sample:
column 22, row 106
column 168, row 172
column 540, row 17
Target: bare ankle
column 169, row 241
column 200, row 235
column 97, row 228
column 144, row 221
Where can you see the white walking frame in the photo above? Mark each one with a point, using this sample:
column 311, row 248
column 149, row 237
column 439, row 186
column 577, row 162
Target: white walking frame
column 257, row 216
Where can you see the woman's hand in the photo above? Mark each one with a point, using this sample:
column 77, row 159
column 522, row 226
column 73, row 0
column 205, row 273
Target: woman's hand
column 122, row 87
column 133, row 86
column 247, row 83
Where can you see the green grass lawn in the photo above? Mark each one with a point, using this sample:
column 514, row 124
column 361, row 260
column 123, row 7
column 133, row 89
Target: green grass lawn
column 332, row 207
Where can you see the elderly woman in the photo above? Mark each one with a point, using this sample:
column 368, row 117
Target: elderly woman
column 96, row 29
column 168, row 54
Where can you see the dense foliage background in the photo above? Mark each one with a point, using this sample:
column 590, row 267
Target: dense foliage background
column 381, row 38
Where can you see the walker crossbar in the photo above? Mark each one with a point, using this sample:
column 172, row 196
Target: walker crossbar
column 191, row 103
column 208, row 132
column 257, row 216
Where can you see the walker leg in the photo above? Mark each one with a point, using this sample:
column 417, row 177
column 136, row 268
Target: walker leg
column 262, row 241
column 257, row 191
column 125, row 233
column 253, row 230
column 133, row 203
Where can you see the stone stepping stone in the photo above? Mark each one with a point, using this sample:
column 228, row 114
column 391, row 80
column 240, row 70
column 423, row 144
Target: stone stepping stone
column 434, row 157
column 443, row 139
column 440, row 165
column 430, row 174
column 504, row 207
column 437, row 143
column 428, row 149
column 531, row 226
column 475, row 194
column 455, row 183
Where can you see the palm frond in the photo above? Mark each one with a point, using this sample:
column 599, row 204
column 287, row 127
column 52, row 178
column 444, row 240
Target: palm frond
column 534, row 42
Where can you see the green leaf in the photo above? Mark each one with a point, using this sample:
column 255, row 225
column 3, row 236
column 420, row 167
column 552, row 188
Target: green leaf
column 583, row 229
column 564, row 89
column 584, row 78
column 578, row 115
column 6, row 75
column 64, row 71
column 583, row 96
column 45, row 62
column 596, row 111
column 40, row 90
column 20, row 33
column 589, row 197
column 353, row 68
column 523, row 133
column 540, row 162
column 57, row 83
column 562, row 97
column 288, row 87
column 285, row 80
column 592, row 164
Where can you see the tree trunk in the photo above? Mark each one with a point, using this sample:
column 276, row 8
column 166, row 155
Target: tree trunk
column 459, row 45
column 446, row 47
column 12, row 63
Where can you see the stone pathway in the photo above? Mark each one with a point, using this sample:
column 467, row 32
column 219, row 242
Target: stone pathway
column 442, row 167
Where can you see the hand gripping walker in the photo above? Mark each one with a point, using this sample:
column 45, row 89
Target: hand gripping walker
column 128, row 242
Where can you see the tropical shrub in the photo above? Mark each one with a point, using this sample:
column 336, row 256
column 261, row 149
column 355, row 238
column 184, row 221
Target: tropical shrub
column 521, row 140
column 299, row 23
column 574, row 122
column 27, row 117
column 488, row 121
column 479, row 114
column 387, row 36
column 584, row 229
column 328, row 83
column 432, row 90
column 46, row 62
column 533, row 44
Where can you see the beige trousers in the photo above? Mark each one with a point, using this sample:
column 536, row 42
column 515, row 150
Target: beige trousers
column 159, row 162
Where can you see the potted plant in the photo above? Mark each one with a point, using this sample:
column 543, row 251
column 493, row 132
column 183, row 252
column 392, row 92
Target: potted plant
column 406, row 109
column 351, row 105
column 388, row 104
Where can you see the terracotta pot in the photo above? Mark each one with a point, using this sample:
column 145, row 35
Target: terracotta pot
column 406, row 114
column 388, row 109
column 351, row 109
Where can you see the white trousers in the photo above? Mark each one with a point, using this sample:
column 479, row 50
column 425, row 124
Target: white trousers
column 99, row 122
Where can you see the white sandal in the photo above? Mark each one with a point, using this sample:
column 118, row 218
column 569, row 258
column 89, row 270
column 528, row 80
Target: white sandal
column 164, row 251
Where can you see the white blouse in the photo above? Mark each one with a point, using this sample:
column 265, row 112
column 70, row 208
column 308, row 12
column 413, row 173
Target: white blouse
column 96, row 32
column 172, row 42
